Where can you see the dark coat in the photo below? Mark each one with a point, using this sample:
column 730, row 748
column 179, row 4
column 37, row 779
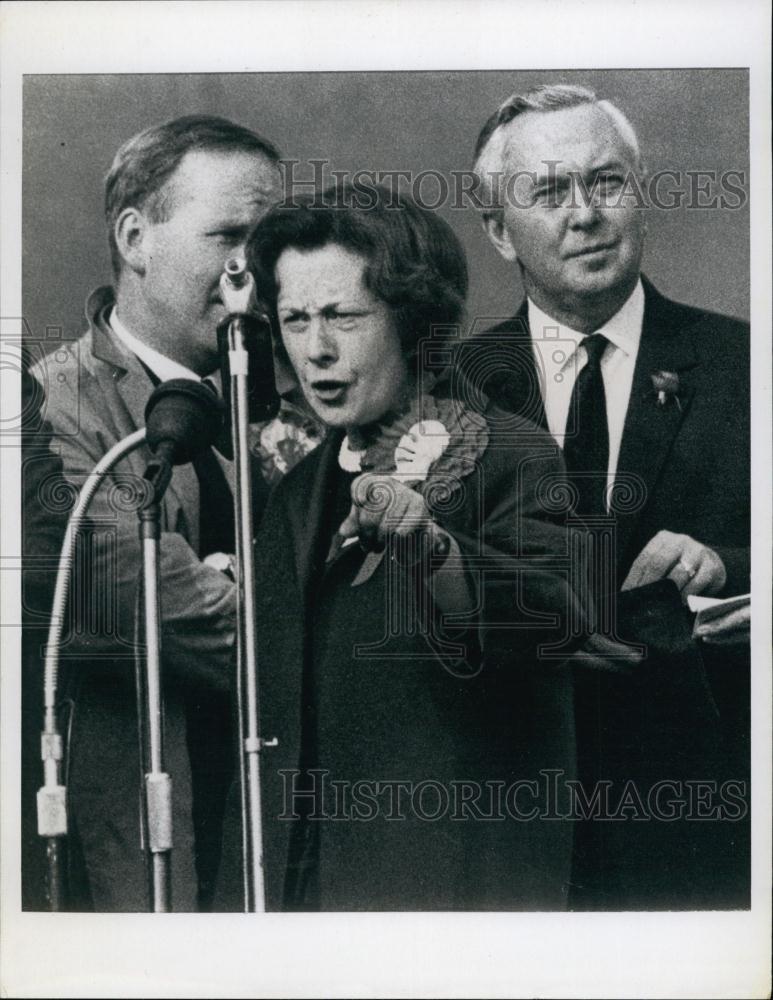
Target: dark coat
column 400, row 704
column 692, row 458
column 683, row 714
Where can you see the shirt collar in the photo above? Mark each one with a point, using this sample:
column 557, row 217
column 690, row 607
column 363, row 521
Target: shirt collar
column 163, row 368
column 623, row 329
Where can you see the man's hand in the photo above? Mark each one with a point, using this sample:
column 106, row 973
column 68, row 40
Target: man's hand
column 694, row 568
column 601, row 653
column 731, row 629
column 381, row 506
column 223, row 561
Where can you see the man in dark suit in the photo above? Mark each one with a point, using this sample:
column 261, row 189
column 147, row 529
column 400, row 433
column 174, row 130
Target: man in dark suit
column 181, row 198
column 650, row 402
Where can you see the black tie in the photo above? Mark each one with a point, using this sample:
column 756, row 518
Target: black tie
column 216, row 512
column 586, row 445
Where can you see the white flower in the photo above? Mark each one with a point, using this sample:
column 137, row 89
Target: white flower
column 424, row 443
column 349, row 460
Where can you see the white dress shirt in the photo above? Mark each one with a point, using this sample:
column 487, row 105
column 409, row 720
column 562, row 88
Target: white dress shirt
column 560, row 359
column 162, row 367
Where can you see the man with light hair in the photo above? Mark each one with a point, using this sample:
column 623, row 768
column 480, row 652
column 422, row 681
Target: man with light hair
column 630, row 384
column 180, row 199
column 491, row 145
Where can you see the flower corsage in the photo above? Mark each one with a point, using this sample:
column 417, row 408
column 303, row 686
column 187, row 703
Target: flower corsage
column 431, row 448
column 666, row 387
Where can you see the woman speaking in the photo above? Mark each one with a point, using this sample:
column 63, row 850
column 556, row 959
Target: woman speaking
column 413, row 610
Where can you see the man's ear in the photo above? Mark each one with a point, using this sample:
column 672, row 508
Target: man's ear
column 494, row 228
column 131, row 232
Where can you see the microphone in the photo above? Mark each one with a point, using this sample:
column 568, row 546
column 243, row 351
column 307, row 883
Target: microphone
column 237, row 288
column 182, row 418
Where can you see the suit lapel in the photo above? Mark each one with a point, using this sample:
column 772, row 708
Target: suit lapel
column 650, row 428
column 530, row 374
column 512, row 371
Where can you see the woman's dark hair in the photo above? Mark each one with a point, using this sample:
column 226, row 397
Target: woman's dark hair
column 415, row 263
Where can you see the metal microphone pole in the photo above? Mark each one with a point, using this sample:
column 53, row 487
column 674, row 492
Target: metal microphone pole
column 157, row 814
column 237, row 289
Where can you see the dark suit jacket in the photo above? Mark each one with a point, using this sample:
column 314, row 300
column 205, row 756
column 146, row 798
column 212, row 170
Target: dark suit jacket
column 688, row 464
column 684, row 713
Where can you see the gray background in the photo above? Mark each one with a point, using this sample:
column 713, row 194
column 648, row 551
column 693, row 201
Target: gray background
column 686, row 120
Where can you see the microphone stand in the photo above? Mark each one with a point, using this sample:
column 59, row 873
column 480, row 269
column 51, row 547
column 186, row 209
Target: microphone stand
column 157, row 814
column 182, row 416
column 52, row 796
column 237, row 289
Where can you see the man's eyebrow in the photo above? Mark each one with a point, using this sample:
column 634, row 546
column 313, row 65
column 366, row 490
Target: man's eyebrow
column 608, row 166
column 265, row 194
column 228, row 227
column 551, row 180
column 540, row 180
column 557, row 174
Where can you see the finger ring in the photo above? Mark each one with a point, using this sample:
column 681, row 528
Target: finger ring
column 687, row 568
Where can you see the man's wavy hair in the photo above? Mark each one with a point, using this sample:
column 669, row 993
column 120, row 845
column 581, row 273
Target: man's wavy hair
column 145, row 163
column 490, row 149
column 415, row 263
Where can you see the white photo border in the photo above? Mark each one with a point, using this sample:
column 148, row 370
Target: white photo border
column 380, row 955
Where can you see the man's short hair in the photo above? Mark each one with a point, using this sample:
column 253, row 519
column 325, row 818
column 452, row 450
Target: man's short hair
column 144, row 164
column 490, row 147
column 415, row 263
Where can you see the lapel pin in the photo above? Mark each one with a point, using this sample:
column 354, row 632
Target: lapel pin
column 666, row 385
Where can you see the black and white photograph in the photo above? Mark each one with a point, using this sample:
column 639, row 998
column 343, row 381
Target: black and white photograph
column 378, row 532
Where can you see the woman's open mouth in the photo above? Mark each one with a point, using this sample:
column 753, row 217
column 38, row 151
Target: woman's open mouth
column 329, row 391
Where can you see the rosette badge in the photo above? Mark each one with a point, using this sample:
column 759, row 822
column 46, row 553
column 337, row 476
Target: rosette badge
column 416, row 450
column 666, row 386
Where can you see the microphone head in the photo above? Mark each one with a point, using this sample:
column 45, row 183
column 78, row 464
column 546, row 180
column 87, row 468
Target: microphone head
column 185, row 417
column 237, row 287
column 236, row 270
